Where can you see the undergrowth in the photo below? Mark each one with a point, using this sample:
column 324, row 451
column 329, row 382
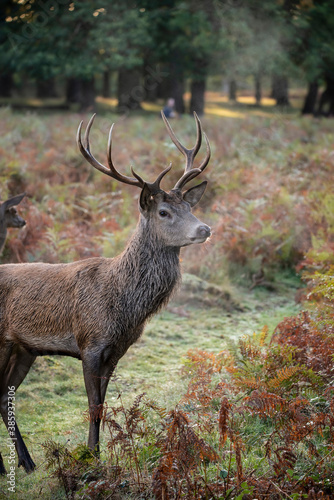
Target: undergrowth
column 256, row 421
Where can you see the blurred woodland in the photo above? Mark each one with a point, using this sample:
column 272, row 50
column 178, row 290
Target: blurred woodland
column 145, row 50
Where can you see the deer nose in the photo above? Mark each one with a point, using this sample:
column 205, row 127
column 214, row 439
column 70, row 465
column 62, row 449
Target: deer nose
column 204, row 231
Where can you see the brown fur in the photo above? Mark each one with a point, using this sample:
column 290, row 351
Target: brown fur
column 93, row 309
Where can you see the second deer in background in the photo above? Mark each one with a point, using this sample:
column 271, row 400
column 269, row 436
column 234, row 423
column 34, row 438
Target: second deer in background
column 9, row 217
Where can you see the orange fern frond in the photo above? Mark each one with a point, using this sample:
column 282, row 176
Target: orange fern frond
column 160, row 410
column 197, row 359
column 238, row 445
column 286, row 459
column 282, row 376
column 246, row 382
column 263, row 335
column 247, row 349
column 264, row 404
column 222, row 420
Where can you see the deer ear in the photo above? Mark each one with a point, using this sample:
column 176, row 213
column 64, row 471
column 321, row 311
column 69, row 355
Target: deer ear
column 12, row 202
column 194, row 194
column 145, row 198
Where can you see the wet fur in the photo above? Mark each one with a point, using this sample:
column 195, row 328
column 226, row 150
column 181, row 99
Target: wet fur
column 93, row 310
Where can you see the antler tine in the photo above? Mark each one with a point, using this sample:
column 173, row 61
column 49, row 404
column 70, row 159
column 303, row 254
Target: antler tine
column 138, row 181
column 191, row 174
column 85, row 150
column 111, row 171
column 188, row 153
column 154, row 187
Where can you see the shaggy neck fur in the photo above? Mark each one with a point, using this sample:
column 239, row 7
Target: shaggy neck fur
column 149, row 271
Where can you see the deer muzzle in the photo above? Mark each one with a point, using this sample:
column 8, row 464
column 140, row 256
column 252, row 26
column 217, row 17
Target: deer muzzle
column 19, row 222
column 203, row 232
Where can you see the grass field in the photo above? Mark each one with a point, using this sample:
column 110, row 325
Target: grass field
column 269, row 202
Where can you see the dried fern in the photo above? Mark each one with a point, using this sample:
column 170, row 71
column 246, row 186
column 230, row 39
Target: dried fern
column 282, row 376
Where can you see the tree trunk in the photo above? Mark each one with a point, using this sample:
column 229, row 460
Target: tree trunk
column 87, row 102
column 311, row 98
column 46, row 88
column 6, row 85
column 177, row 81
column 151, row 82
column 197, row 96
column 164, row 90
column 73, row 90
column 106, row 84
column 130, row 91
column 258, row 90
column 164, row 84
column 81, row 92
column 177, row 94
column 232, row 90
column 280, row 90
column 326, row 103
column 172, row 86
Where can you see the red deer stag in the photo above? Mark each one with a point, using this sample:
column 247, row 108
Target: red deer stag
column 9, row 217
column 95, row 309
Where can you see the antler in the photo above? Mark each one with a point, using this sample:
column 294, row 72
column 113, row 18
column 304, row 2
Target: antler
column 189, row 172
column 154, row 187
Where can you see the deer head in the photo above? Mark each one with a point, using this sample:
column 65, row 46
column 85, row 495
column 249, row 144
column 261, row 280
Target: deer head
column 8, row 213
column 9, row 217
column 168, row 214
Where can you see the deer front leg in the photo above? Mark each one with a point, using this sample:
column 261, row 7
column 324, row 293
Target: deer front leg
column 93, row 389
column 97, row 373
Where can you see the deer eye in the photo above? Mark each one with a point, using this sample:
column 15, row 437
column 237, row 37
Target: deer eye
column 163, row 213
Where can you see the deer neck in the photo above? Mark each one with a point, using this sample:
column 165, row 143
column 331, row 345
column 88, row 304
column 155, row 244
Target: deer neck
column 150, row 270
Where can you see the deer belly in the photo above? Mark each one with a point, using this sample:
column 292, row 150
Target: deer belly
column 42, row 334
column 41, row 346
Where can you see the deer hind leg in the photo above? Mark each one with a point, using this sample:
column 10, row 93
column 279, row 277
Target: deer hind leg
column 2, row 466
column 17, row 368
column 5, row 352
